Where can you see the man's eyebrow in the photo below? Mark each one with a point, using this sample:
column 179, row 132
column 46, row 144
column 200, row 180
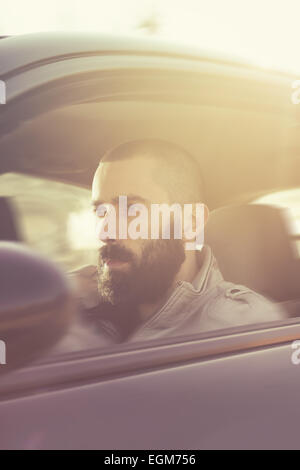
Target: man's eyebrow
column 135, row 197
column 96, row 203
column 115, row 200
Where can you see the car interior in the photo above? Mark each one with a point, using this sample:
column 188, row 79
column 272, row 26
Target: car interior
column 252, row 242
column 256, row 249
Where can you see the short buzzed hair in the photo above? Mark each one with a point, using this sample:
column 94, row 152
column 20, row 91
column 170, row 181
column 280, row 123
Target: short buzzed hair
column 178, row 171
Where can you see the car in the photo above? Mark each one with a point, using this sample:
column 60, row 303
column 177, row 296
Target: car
column 69, row 98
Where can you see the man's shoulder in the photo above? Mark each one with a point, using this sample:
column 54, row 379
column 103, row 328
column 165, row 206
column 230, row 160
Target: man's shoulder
column 236, row 304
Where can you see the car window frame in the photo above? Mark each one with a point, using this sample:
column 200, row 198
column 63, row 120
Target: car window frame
column 124, row 360
column 34, row 102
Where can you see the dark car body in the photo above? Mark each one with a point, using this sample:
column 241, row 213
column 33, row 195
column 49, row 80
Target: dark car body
column 69, row 98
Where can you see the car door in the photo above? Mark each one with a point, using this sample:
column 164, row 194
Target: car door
column 234, row 389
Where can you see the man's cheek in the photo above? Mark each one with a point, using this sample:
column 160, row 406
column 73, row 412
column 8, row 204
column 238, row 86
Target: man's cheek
column 106, row 227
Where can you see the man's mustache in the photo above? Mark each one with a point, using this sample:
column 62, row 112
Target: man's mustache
column 114, row 253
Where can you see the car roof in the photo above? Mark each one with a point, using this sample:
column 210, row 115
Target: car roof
column 33, row 50
column 29, row 52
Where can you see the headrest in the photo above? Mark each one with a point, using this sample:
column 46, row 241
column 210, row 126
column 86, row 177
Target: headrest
column 253, row 246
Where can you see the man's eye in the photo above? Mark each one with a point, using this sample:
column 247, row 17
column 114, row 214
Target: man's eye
column 100, row 212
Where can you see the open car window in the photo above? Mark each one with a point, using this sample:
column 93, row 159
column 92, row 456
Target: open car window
column 54, row 217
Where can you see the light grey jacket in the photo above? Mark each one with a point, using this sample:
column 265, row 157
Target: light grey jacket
column 209, row 303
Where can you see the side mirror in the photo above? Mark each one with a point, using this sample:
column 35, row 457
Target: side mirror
column 36, row 305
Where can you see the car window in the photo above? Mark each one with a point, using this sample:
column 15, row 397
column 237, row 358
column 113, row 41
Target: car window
column 55, row 217
column 50, row 216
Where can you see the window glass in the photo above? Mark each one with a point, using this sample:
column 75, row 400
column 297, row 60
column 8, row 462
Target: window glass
column 52, row 217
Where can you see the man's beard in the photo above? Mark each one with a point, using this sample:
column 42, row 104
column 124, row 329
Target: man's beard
column 148, row 277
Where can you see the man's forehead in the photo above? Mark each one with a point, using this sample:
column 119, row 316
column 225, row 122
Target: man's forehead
column 132, row 162
column 135, row 176
column 125, row 175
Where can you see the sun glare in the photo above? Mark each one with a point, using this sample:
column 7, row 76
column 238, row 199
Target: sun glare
column 260, row 31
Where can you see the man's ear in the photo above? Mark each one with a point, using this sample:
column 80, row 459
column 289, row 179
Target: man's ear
column 205, row 215
column 194, row 220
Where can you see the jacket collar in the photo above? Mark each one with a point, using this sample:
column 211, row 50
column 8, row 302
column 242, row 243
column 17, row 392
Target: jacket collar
column 209, row 273
column 181, row 302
